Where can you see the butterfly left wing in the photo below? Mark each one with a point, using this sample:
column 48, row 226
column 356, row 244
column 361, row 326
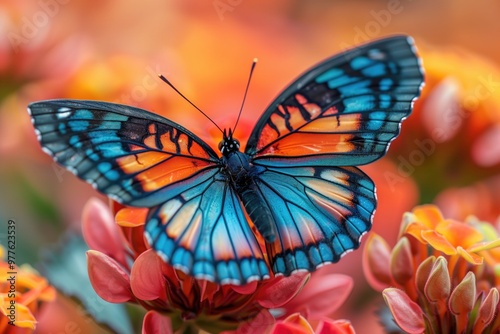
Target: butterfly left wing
column 349, row 106
column 204, row 233
column 133, row 156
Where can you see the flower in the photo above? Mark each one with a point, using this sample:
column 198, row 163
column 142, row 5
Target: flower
column 296, row 324
column 122, row 268
column 440, row 276
column 22, row 293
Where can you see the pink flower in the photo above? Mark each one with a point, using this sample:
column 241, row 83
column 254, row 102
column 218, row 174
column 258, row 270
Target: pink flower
column 122, row 268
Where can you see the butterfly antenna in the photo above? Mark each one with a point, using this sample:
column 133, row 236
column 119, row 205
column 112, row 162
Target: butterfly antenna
column 185, row 98
column 246, row 91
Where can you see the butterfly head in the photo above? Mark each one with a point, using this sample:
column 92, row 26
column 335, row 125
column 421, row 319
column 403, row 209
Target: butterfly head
column 228, row 143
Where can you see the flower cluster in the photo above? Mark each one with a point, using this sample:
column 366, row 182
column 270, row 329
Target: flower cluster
column 22, row 293
column 122, row 268
column 441, row 276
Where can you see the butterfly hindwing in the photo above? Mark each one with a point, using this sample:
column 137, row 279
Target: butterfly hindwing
column 133, row 156
column 320, row 213
column 349, row 106
column 204, row 232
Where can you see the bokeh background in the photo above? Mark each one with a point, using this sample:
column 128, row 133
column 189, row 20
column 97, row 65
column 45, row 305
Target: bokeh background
column 448, row 152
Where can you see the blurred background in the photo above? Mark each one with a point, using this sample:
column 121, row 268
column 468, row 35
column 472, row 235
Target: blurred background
column 448, row 152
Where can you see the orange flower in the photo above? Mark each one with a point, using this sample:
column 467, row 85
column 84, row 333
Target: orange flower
column 439, row 277
column 450, row 237
column 22, row 292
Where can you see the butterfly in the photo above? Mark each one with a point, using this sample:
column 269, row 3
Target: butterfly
column 295, row 188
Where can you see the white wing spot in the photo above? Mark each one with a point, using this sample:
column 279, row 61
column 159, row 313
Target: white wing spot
column 49, row 152
column 63, row 112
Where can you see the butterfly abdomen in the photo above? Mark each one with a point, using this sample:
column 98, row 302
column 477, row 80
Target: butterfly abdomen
column 259, row 212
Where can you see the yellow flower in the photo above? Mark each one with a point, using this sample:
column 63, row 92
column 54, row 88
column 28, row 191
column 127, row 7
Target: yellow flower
column 22, row 290
column 450, row 237
column 441, row 276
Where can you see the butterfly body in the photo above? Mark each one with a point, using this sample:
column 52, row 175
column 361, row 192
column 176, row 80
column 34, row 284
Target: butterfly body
column 244, row 177
column 296, row 181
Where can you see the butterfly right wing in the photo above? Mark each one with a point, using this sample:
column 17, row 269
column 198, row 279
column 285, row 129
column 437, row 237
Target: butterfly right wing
column 204, row 232
column 135, row 157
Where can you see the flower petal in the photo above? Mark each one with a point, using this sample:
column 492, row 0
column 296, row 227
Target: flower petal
column 23, row 316
column 279, row 291
column 245, row 289
column 100, row 230
column 108, row 278
column 423, row 272
column 428, row 215
column 155, row 323
column 376, row 260
column 146, row 278
column 485, row 245
column 335, row 327
column 458, row 233
column 438, row 242
column 462, row 301
column 470, row 257
column 438, row 285
column 402, row 262
column 260, row 324
column 463, row 296
column 131, row 217
column 294, row 324
column 322, row 295
column 407, row 314
column 487, row 311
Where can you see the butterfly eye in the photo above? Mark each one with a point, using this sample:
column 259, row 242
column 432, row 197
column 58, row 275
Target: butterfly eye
column 221, row 144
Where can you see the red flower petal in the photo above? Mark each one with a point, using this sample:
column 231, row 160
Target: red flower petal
column 438, row 285
column 155, row 323
column 462, row 301
column 463, row 297
column 407, row 314
column 335, row 327
column 487, row 311
column 376, row 262
column 245, row 289
column 260, row 324
column 402, row 262
column 423, row 272
column 294, row 324
column 322, row 296
column 146, row 279
column 281, row 289
column 108, row 278
column 100, row 231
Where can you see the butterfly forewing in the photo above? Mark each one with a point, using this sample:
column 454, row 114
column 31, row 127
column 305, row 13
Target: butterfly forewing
column 135, row 157
column 350, row 105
